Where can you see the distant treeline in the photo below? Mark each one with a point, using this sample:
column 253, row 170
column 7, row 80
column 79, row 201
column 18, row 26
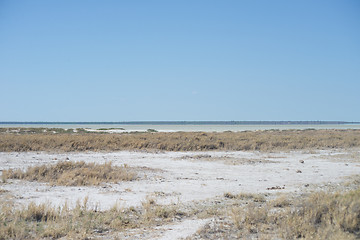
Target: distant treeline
column 196, row 123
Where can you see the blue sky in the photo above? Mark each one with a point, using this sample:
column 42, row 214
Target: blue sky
column 179, row 60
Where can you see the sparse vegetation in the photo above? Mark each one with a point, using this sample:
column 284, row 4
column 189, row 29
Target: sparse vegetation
column 3, row 191
column 281, row 201
column 270, row 140
column 320, row 215
column 73, row 173
column 323, row 216
column 44, row 221
column 246, row 196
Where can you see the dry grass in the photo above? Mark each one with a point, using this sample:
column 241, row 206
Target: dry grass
column 246, row 196
column 155, row 214
column 270, row 140
column 73, row 173
column 316, row 216
column 44, row 221
column 3, row 191
column 324, row 216
column 282, row 201
column 319, row 215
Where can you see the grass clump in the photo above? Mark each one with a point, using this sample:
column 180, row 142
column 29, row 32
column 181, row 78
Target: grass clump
column 73, row 173
column 320, row 215
column 324, row 216
column 157, row 213
column 246, row 196
column 36, row 221
column 3, row 191
column 281, row 201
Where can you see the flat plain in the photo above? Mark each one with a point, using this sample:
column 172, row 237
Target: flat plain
column 197, row 185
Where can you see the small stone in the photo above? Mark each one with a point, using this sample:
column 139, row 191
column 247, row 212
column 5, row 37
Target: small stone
column 298, row 171
column 301, row 161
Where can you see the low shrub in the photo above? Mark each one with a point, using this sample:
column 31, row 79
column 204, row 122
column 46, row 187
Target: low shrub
column 69, row 173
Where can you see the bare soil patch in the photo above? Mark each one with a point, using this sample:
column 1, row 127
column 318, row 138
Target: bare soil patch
column 227, row 159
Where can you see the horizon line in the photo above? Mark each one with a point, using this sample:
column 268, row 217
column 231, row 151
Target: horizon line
column 232, row 122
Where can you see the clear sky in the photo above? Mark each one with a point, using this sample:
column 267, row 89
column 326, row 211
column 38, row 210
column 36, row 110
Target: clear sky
column 108, row 60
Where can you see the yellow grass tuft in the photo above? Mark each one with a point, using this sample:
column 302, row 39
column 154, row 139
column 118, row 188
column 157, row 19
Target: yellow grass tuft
column 73, row 173
column 324, row 216
column 246, row 196
column 319, row 216
column 44, row 221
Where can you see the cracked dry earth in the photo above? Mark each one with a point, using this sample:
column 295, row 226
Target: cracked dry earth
column 191, row 179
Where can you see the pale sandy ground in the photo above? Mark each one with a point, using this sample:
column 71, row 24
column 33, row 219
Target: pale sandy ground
column 184, row 177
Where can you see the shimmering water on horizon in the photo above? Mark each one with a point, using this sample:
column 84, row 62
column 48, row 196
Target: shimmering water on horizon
column 188, row 128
